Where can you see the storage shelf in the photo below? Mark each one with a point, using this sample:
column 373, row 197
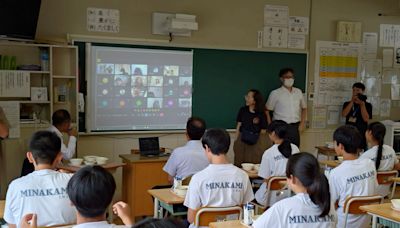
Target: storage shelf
column 30, row 71
column 64, row 76
column 34, row 102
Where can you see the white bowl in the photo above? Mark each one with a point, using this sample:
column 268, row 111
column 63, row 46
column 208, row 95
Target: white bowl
column 75, row 161
column 90, row 158
column 396, row 203
column 90, row 162
column 181, row 190
column 248, row 166
column 101, row 160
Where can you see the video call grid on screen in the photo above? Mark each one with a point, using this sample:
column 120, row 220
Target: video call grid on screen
column 140, row 89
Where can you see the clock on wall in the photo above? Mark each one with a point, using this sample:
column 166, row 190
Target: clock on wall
column 348, row 31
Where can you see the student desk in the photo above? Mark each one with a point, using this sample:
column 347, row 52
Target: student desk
column 139, row 175
column 383, row 211
column 329, row 152
column 165, row 199
column 111, row 167
column 2, row 207
column 230, row 224
column 252, row 174
column 330, row 163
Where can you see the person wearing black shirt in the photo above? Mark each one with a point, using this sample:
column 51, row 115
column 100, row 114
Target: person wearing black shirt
column 358, row 111
column 251, row 140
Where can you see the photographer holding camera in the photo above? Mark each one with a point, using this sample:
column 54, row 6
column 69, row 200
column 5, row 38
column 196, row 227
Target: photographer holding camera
column 358, row 111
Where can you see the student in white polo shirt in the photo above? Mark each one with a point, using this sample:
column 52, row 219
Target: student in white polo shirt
column 189, row 159
column 353, row 177
column 311, row 206
column 383, row 156
column 274, row 161
column 91, row 191
column 44, row 190
column 287, row 104
column 221, row 184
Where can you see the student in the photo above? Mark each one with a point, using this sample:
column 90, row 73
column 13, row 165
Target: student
column 91, row 191
column 382, row 155
column 274, row 161
column 353, row 177
column 221, row 184
column 190, row 158
column 250, row 140
column 358, row 111
column 310, row 207
column 44, row 190
column 61, row 120
column 287, row 104
column 158, row 223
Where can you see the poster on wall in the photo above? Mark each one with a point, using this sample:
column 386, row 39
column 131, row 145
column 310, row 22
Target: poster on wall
column 275, row 37
column 11, row 110
column 389, row 35
column 102, row 20
column 298, row 25
column 276, row 15
column 336, row 69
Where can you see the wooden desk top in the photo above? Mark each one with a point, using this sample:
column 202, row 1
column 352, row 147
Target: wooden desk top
column 325, row 149
column 382, row 210
column 109, row 166
column 136, row 158
column 252, row 174
column 330, row 163
column 166, row 195
column 230, row 224
column 2, row 207
column 397, row 179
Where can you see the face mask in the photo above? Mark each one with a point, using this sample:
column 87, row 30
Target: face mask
column 288, row 82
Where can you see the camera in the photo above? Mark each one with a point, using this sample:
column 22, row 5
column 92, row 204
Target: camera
column 362, row 97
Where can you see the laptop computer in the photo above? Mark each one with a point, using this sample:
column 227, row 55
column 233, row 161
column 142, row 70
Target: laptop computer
column 149, row 146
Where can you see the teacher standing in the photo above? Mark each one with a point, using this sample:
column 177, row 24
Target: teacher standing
column 251, row 139
column 287, row 103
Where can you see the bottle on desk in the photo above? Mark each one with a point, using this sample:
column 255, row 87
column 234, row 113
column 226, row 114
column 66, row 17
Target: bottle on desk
column 177, row 182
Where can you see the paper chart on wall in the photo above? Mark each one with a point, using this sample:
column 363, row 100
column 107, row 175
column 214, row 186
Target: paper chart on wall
column 375, row 102
column 15, row 84
column 395, row 91
column 385, row 105
column 389, row 35
column 275, row 37
column 370, row 45
column 391, row 76
column 336, row 69
column 102, row 20
column 372, row 86
column 298, row 25
column 396, row 56
column 276, row 15
column 387, row 57
column 333, row 115
column 11, row 110
column 319, row 117
column 296, row 41
column 371, row 68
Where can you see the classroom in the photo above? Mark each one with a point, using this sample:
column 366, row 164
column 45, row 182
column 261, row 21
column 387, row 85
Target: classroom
column 130, row 74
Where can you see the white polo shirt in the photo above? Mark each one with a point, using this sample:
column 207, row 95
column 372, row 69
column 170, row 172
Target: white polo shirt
column 101, row 224
column 388, row 161
column 69, row 150
column 273, row 163
column 286, row 105
column 44, row 193
column 296, row 212
column 187, row 160
column 352, row 178
column 219, row 185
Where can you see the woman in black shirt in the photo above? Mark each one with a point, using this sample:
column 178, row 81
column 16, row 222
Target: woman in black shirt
column 251, row 140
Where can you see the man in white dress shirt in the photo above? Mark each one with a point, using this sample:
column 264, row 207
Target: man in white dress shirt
column 287, row 103
column 190, row 158
column 61, row 120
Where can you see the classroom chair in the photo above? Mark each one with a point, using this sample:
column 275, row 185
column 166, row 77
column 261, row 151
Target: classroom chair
column 353, row 203
column 387, row 178
column 206, row 215
column 274, row 183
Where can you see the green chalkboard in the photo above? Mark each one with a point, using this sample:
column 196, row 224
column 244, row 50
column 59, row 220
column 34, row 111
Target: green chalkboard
column 221, row 78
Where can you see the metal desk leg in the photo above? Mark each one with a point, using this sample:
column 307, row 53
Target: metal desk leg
column 374, row 221
column 156, row 208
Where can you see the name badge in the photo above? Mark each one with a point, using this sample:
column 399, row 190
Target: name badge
column 353, row 119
